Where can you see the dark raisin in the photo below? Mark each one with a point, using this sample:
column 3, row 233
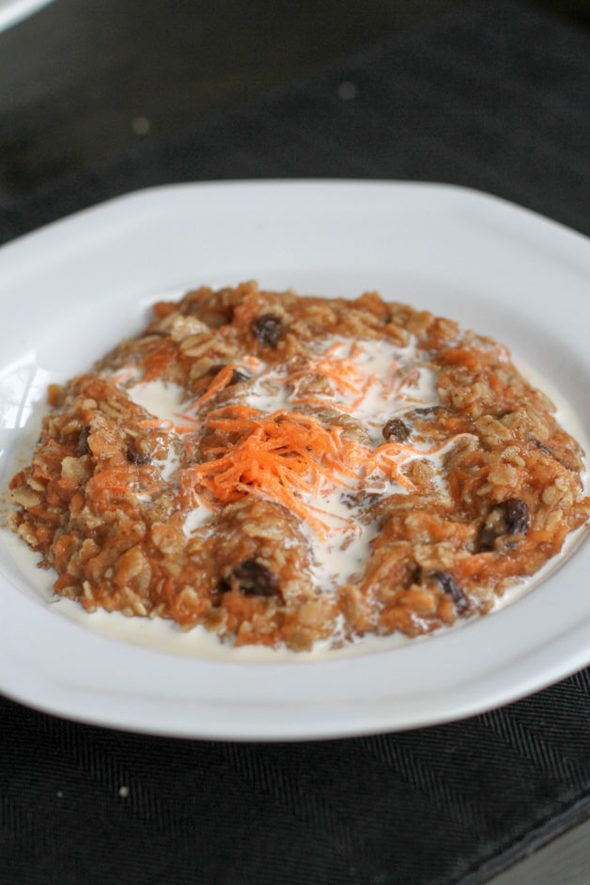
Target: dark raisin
column 396, row 429
column 82, row 447
column 136, row 457
column 516, row 516
column 252, row 578
column 450, row 586
column 415, row 573
column 267, row 329
column 510, row 517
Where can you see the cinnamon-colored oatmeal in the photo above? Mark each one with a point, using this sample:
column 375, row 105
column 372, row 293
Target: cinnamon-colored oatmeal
column 285, row 469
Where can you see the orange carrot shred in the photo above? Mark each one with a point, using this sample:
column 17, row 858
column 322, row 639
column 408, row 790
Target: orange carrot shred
column 278, row 455
column 158, row 361
column 221, row 380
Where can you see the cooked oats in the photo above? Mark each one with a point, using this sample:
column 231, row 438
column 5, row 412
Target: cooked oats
column 285, row 469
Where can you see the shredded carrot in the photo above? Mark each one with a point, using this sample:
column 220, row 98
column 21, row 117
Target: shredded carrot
column 461, row 356
column 364, row 390
column 319, row 401
column 221, row 380
column 162, row 423
column 387, row 458
column 246, row 311
column 158, row 361
column 252, row 362
column 343, row 373
column 289, row 456
column 186, row 423
column 111, row 480
column 279, row 456
column 123, row 375
column 232, row 421
column 184, row 428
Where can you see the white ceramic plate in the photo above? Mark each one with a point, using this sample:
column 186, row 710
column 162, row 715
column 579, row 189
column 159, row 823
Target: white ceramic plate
column 73, row 289
column 13, row 11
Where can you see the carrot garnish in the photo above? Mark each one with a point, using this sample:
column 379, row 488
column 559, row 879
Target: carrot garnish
column 281, row 456
column 163, row 424
column 343, row 373
column 156, row 362
column 389, row 457
column 111, row 480
column 364, row 390
column 221, row 380
column 319, row 401
column 218, row 419
column 123, row 375
column 288, row 456
column 252, row 363
column 181, row 429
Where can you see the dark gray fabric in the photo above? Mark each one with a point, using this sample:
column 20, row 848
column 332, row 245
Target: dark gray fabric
column 494, row 98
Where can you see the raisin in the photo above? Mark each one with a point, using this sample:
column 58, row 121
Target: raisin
column 253, row 579
column 267, row 329
column 449, row 585
column 415, row 572
column 516, row 516
column 136, row 457
column 82, row 447
column 396, row 429
column 510, row 517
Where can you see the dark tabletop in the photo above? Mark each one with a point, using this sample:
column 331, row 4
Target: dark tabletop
column 100, row 98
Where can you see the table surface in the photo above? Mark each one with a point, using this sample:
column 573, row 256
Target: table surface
column 101, row 98
column 168, row 65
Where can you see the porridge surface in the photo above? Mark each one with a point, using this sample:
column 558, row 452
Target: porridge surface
column 285, row 469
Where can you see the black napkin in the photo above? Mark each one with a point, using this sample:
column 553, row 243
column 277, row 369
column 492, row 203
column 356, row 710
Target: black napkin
column 493, row 97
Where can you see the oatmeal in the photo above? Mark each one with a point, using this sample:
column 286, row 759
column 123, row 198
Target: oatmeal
column 284, row 469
